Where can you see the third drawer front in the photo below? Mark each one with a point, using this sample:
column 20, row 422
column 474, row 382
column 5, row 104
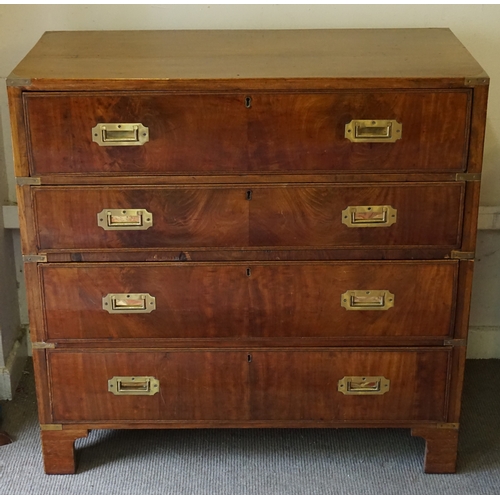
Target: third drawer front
column 337, row 385
column 273, row 216
column 249, row 300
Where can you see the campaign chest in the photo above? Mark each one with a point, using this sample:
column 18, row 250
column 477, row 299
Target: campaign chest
column 248, row 229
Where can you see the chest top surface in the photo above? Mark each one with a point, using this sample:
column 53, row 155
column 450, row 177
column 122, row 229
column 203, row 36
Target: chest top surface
column 402, row 56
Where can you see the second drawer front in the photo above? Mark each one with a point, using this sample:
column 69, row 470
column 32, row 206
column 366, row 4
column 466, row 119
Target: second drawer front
column 357, row 299
column 264, row 385
column 304, row 216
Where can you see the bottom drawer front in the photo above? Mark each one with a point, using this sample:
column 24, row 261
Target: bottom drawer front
column 261, row 385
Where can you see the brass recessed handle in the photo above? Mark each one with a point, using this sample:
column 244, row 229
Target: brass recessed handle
column 367, row 300
column 120, row 134
column 363, row 386
column 133, row 386
column 128, row 303
column 373, row 130
column 369, row 216
column 118, row 219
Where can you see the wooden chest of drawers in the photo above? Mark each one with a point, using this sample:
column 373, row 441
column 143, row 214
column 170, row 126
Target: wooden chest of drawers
column 248, row 229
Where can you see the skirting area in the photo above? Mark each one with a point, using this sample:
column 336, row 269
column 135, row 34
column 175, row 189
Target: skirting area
column 260, row 461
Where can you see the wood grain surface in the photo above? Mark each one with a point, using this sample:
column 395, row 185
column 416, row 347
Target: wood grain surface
column 116, row 59
column 193, row 385
column 441, row 447
column 207, row 133
column 58, row 449
column 249, row 300
column 281, row 216
column 250, row 385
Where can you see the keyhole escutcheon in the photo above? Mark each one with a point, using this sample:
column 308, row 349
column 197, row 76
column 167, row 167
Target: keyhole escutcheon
column 248, row 102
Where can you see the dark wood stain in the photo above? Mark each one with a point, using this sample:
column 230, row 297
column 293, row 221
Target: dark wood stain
column 193, row 386
column 306, row 216
column 223, row 385
column 218, row 134
column 249, row 300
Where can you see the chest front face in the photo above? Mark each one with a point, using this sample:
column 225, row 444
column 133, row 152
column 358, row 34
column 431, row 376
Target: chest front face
column 259, row 230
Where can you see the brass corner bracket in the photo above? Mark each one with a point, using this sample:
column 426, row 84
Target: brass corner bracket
column 478, row 80
column 458, row 254
column 468, row 177
column 35, row 258
column 448, row 425
column 28, row 181
column 42, row 345
column 14, row 81
column 51, row 427
column 456, row 342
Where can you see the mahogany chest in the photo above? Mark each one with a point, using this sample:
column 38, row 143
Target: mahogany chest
column 248, row 229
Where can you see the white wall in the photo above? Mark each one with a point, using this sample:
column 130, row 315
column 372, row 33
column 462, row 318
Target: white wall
column 477, row 26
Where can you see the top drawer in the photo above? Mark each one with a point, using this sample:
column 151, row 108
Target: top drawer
column 248, row 133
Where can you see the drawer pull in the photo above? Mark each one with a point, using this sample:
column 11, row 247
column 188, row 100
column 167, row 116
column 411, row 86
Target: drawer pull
column 133, row 219
column 373, row 131
column 363, row 386
column 126, row 303
column 133, row 386
column 369, row 216
column 367, row 300
column 120, row 134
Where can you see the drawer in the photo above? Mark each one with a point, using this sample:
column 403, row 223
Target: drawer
column 239, row 217
column 258, row 385
column 240, row 300
column 247, row 133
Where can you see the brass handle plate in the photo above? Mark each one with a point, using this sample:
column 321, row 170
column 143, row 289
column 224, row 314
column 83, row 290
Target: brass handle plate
column 133, row 386
column 128, row 303
column 120, row 134
column 369, row 216
column 367, row 300
column 364, row 386
column 373, row 130
column 132, row 219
